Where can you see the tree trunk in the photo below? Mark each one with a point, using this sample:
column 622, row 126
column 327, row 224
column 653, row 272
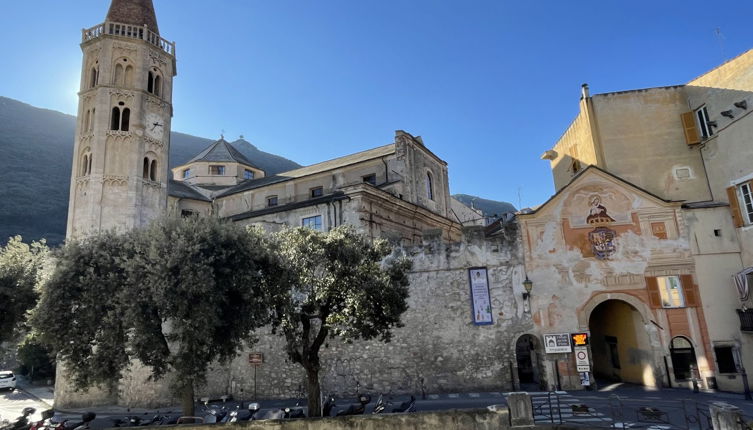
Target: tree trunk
column 186, row 399
column 314, row 392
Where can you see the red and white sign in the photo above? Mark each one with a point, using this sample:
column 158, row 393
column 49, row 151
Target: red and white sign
column 581, row 358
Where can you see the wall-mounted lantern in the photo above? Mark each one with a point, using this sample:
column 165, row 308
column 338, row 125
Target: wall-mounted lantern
column 528, row 285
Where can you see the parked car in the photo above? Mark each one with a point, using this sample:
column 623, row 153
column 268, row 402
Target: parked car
column 7, row 380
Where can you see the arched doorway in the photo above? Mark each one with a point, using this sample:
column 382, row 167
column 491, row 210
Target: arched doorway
column 683, row 358
column 620, row 344
column 528, row 359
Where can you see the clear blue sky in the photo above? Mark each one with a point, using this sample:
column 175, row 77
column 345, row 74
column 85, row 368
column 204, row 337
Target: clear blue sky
column 489, row 85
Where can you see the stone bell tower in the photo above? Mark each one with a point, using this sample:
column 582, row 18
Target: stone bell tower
column 120, row 159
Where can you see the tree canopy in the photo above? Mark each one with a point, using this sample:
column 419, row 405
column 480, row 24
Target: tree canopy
column 338, row 284
column 21, row 266
column 177, row 296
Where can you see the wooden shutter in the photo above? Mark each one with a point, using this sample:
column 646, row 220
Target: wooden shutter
column 734, row 207
column 691, row 131
column 654, row 297
column 690, row 289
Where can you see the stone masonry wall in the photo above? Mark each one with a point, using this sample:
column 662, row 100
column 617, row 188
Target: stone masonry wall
column 438, row 349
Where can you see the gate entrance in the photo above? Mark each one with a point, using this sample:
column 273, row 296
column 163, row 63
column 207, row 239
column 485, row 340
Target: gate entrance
column 620, row 344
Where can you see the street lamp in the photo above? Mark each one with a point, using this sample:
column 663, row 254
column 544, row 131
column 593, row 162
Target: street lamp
column 528, row 285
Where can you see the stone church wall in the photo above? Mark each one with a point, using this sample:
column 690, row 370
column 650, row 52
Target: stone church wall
column 438, row 349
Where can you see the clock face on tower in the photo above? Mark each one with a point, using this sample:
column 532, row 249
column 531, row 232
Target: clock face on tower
column 155, row 126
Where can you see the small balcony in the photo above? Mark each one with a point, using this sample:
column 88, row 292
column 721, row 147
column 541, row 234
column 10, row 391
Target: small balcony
column 130, row 31
column 746, row 320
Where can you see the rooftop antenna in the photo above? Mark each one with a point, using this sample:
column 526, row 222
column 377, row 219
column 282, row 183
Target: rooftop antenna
column 241, row 137
column 222, row 134
column 520, row 205
column 720, row 39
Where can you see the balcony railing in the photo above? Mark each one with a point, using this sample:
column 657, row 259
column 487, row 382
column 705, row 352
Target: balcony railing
column 130, row 31
column 746, row 319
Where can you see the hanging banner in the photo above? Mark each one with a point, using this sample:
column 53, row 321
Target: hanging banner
column 481, row 303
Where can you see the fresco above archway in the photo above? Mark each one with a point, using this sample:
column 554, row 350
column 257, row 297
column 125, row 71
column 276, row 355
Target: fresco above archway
column 593, row 218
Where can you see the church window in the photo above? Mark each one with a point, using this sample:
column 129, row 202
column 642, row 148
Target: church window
column 217, row 170
column 157, row 85
column 316, row 192
column 271, row 201
column 186, row 173
column 115, row 122
column 154, row 82
column 118, row 79
column 153, row 170
column 86, row 120
column 125, row 119
column 314, row 222
column 128, row 80
column 429, row 186
column 248, row 174
column 370, row 179
column 145, row 170
column 93, row 77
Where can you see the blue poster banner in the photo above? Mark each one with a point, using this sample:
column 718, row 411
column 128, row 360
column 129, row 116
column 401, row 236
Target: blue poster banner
column 481, row 303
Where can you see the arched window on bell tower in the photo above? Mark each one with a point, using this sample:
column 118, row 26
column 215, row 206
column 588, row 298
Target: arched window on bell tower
column 153, row 170
column 154, row 82
column 145, row 171
column 121, row 117
column 86, row 162
column 94, row 76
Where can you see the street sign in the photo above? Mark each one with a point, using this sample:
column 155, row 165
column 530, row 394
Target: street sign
column 585, row 379
column 581, row 359
column 255, row 358
column 579, row 339
column 557, row 343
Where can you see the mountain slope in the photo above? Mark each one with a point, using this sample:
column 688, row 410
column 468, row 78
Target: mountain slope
column 35, row 168
column 490, row 208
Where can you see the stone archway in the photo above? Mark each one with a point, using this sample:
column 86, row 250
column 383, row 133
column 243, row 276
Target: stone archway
column 621, row 346
column 529, row 363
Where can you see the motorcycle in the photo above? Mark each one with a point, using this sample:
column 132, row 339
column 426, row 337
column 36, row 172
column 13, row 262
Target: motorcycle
column 356, row 409
column 22, row 422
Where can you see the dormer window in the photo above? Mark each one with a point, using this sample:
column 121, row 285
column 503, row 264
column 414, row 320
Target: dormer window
column 217, row 170
column 186, row 173
column 248, row 174
column 316, row 192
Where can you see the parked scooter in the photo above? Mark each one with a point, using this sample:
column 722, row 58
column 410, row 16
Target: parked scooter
column 356, row 409
column 406, row 407
column 329, row 403
column 243, row 414
column 22, row 422
column 380, row 405
column 44, row 423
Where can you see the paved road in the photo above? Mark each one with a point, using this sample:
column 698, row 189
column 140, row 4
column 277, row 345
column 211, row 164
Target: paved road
column 12, row 403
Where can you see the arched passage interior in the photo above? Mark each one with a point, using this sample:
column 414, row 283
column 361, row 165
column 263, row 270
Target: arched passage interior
column 620, row 345
column 528, row 358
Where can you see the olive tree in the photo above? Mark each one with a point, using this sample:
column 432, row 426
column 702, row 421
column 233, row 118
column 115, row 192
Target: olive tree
column 21, row 266
column 176, row 296
column 338, row 284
